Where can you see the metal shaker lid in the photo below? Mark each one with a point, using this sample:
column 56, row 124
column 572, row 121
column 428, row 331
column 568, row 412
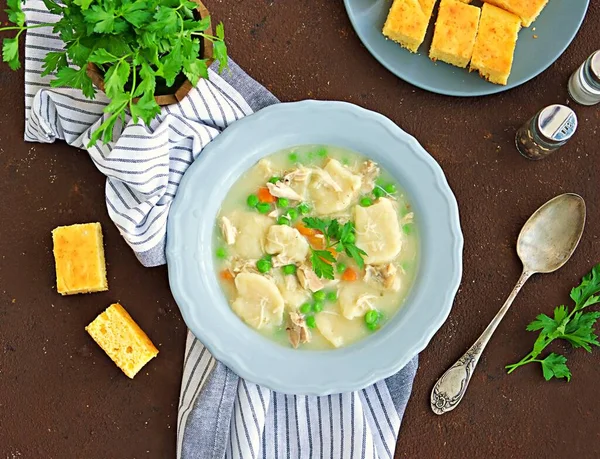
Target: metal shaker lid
column 595, row 66
column 557, row 123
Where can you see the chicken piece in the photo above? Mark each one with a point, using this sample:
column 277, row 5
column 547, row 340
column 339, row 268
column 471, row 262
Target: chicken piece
column 308, row 279
column 385, row 275
column 297, row 331
column 228, row 230
column 291, row 246
column 300, row 174
column 242, row 265
column 369, row 172
column 281, row 190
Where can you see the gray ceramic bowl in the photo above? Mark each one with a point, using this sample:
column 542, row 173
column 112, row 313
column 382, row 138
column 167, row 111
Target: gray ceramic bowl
column 537, row 48
column 190, row 250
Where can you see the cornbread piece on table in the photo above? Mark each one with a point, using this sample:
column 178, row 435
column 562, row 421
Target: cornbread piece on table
column 527, row 10
column 407, row 22
column 455, row 32
column 79, row 258
column 122, row 339
column 495, row 44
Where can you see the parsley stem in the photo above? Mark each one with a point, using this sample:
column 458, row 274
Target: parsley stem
column 21, row 28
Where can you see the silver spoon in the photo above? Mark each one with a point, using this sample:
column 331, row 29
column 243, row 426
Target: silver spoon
column 546, row 242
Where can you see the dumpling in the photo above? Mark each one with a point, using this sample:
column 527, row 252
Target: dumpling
column 333, row 188
column 287, row 242
column 356, row 299
column 378, row 232
column 258, row 303
column 338, row 330
column 251, row 231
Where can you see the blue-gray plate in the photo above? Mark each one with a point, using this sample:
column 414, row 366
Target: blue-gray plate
column 536, row 50
column 190, row 248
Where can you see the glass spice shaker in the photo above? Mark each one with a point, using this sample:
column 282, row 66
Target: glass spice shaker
column 546, row 132
column 584, row 84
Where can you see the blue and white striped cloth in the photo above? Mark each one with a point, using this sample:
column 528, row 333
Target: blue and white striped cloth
column 220, row 415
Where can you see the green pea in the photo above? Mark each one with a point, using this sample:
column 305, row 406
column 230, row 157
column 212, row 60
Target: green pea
column 252, row 200
column 221, row 253
column 322, row 152
column 345, row 161
column 351, row 238
column 306, row 308
column 292, row 213
column 263, row 207
column 319, row 295
column 283, row 220
column 304, row 208
column 263, row 266
column 274, row 179
column 283, row 202
column 293, row 157
column 311, row 322
column 317, row 306
column 378, row 192
column 268, row 257
column 373, row 326
column 390, row 188
column 340, row 268
column 289, row 269
column 371, row 317
column 331, row 296
column 407, row 229
column 366, row 202
column 339, row 248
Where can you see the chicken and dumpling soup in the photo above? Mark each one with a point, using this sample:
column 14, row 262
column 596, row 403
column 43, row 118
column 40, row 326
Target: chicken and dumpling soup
column 316, row 247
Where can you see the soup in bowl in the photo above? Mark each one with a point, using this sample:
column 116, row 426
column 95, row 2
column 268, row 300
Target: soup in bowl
column 316, row 247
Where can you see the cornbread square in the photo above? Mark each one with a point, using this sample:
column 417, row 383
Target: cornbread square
column 527, row 10
column 122, row 339
column 495, row 44
column 455, row 32
column 407, row 22
column 79, row 258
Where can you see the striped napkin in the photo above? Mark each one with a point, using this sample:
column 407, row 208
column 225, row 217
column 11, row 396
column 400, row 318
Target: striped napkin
column 220, row 414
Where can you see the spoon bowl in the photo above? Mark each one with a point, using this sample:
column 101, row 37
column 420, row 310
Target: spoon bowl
column 550, row 236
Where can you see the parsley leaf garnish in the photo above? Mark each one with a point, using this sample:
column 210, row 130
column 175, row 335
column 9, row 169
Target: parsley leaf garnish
column 342, row 237
column 575, row 327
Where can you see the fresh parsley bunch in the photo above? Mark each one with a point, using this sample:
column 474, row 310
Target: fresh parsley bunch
column 138, row 44
column 576, row 327
column 340, row 237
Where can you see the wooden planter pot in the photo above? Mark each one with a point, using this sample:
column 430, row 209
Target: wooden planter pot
column 179, row 92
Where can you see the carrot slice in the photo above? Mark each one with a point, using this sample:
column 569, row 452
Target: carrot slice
column 350, row 275
column 316, row 242
column 226, row 275
column 264, row 195
column 304, row 231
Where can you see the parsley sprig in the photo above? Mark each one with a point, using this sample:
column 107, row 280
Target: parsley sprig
column 576, row 327
column 341, row 237
column 138, row 44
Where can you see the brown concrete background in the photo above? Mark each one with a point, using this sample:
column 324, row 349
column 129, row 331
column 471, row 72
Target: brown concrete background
column 60, row 397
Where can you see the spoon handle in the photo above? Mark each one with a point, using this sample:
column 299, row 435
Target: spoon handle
column 451, row 387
